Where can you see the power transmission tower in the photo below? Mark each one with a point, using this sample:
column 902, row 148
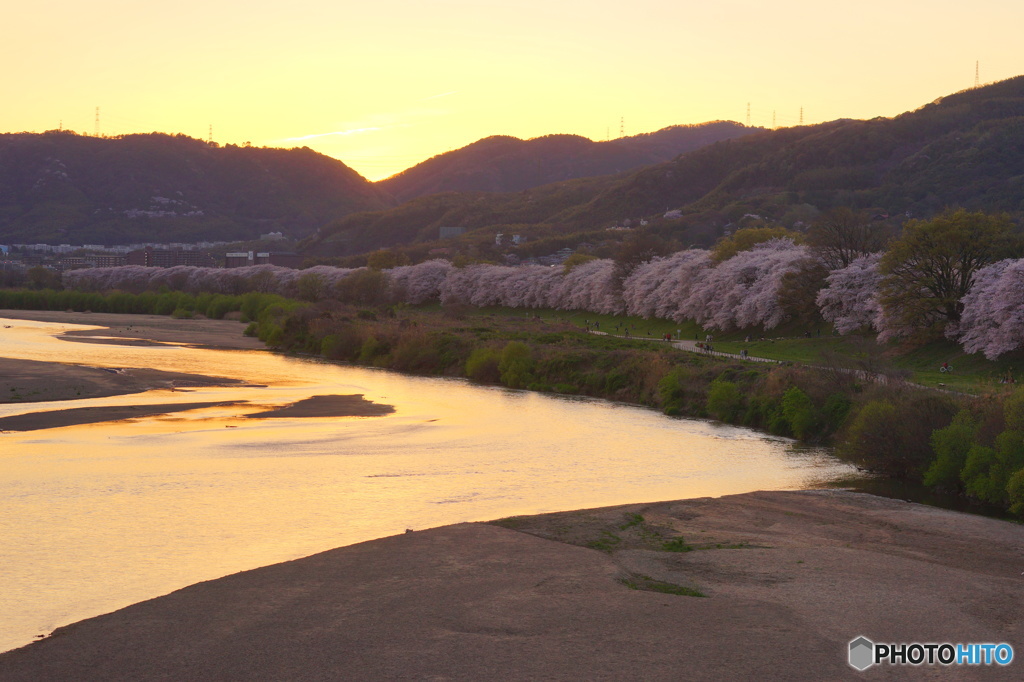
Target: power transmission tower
column 801, row 115
column 210, row 140
column 97, row 132
column 622, row 126
column 748, row 114
column 977, row 80
column 773, row 119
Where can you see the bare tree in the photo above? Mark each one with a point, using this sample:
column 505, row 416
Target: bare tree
column 842, row 235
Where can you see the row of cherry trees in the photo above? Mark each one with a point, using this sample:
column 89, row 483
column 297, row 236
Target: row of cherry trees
column 742, row 291
column 739, row 292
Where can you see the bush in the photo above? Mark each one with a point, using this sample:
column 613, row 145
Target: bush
column 482, row 365
column 725, row 402
column 951, row 445
column 799, row 413
column 893, row 436
column 516, row 365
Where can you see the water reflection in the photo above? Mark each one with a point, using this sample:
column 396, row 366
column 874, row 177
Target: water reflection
column 95, row 517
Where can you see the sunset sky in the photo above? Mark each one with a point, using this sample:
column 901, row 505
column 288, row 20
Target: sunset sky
column 383, row 85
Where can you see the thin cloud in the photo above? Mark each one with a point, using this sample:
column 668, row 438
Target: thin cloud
column 338, row 133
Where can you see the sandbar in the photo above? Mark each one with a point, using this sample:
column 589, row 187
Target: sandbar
column 130, row 329
column 354, row 405
column 789, row 579
column 52, row 419
column 28, row 381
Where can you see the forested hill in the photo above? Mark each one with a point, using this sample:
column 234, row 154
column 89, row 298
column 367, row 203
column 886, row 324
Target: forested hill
column 966, row 150
column 509, row 164
column 59, row 187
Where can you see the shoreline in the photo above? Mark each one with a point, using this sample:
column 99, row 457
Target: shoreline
column 789, row 579
column 27, row 382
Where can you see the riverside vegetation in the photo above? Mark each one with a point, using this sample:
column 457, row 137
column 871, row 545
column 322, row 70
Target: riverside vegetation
column 973, row 445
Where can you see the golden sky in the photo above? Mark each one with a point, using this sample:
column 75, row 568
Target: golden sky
column 385, row 84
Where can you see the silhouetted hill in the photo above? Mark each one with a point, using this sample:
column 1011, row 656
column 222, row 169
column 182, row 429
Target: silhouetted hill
column 59, row 187
column 509, row 164
column 966, row 149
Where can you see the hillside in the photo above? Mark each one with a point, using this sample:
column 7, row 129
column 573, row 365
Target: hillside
column 59, row 187
column 966, row 149
column 509, row 164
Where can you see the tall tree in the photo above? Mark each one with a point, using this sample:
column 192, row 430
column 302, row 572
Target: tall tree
column 931, row 267
column 842, row 235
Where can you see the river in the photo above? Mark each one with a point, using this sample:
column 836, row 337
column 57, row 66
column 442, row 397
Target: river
column 96, row 517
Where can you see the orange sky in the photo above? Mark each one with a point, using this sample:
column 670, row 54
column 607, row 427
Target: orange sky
column 387, row 84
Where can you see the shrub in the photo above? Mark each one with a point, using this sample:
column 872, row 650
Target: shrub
column 516, row 365
column 1015, row 492
column 725, row 402
column 482, row 365
column 951, row 446
column 799, row 413
column 893, row 436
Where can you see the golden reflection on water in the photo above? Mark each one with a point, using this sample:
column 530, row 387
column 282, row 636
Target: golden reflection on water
column 96, row 517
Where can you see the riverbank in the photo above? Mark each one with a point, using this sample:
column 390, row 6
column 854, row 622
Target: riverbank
column 789, row 577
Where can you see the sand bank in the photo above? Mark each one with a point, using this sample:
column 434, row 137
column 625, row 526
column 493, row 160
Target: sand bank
column 52, row 419
column 28, row 381
column 133, row 329
column 327, row 406
column 789, row 577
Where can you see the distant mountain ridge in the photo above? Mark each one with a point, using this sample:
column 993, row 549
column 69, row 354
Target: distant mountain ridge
column 59, row 187
column 508, row 164
column 966, row 149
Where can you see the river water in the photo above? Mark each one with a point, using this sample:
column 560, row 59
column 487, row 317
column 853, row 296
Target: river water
column 96, row 517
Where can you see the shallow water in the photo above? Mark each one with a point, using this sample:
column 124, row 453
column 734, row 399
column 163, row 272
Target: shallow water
column 96, row 517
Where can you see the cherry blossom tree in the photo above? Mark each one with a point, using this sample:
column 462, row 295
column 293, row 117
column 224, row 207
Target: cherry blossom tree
column 849, row 300
column 992, row 321
column 743, row 290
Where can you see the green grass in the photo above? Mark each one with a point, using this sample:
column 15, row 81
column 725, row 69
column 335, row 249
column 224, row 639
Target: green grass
column 676, row 545
column 606, row 543
column 645, row 583
column 790, row 343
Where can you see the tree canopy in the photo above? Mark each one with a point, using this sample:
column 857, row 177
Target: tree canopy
column 930, row 268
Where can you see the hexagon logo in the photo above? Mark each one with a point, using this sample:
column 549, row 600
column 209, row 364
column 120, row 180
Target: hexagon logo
column 862, row 653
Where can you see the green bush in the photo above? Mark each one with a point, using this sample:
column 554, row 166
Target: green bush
column 482, row 365
column 725, row 401
column 1015, row 492
column 894, row 436
column 951, row 446
column 799, row 413
column 516, row 365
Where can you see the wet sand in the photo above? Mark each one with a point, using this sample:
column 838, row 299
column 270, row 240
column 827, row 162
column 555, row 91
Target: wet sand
column 790, row 579
column 29, row 381
column 327, row 406
column 52, row 419
column 138, row 329
column 25, row 381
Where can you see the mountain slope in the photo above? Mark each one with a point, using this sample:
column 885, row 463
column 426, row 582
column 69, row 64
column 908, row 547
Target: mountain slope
column 58, row 187
column 966, row 149
column 509, row 164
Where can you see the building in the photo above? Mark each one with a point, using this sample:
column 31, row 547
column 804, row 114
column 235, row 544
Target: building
column 169, row 258
column 450, row 232
column 241, row 259
column 91, row 260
